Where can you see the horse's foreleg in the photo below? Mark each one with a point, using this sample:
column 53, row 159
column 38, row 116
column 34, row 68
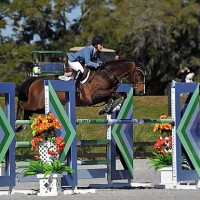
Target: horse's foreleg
column 122, row 97
column 119, row 105
column 108, row 108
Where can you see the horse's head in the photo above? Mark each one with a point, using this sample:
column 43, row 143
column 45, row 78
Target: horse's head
column 134, row 72
column 137, row 78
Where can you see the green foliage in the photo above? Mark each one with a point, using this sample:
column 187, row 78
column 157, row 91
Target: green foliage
column 160, row 160
column 185, row 164
column 161, row 34
column 40, row 167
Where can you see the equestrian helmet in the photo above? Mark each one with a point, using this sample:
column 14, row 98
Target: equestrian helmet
column 97, row 40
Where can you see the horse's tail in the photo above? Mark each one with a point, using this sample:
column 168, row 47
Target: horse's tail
column 23, row 96
column 19, row 116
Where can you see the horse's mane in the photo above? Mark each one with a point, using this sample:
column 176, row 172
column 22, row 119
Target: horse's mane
column 139, row 65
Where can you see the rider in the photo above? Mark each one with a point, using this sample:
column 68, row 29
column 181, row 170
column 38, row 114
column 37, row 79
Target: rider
column 89, row 56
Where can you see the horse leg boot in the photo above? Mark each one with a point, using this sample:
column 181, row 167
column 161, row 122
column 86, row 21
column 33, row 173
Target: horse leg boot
column 77, row 79
column 108, row 107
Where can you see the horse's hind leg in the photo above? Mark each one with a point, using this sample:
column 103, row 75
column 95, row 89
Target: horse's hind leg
column 19, row 111
column 26, row 116
column 18, row 117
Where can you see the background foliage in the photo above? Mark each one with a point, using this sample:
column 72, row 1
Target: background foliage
column 161, row 34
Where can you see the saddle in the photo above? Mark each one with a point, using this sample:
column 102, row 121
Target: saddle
column 69, row 75
column 83, row 93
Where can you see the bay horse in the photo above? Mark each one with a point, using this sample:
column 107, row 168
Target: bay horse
column 100, row 87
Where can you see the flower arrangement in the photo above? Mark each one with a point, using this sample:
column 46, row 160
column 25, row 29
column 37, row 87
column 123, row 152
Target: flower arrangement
column 163, row 146
column 43, row 130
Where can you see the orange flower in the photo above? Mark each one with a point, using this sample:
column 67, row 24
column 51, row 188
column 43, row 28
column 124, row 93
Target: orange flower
column 163, row 145
column 167, row 127
column 42, row 124
column 60, row 144
column 162, row 127
column 163, row 116
column 36, row 157
column 156, row 127
column 43, row 129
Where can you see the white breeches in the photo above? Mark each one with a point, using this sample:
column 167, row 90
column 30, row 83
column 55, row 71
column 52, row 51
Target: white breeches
column 76, row 66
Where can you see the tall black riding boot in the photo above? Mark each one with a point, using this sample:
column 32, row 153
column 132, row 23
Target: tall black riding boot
column 77, row 79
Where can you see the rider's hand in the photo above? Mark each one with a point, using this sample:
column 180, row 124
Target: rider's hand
column 100, row 63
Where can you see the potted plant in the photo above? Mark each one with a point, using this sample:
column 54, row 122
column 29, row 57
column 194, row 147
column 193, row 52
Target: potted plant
column 49, row 175
column 162, row 159
column 47, row 167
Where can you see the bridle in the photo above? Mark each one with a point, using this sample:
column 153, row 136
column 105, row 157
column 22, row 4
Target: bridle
column 112, row 77
column 136, row 82
column 143, row 72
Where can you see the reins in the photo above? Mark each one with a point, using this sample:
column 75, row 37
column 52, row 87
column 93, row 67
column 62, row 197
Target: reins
column 115, row 77
column 119, row 81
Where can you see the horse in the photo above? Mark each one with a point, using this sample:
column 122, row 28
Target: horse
column 100, row 87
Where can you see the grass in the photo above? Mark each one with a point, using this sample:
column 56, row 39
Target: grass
column 148, row 107
column 144, row 107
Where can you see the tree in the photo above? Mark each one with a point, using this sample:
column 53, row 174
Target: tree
column 35, row 24
column 161, row 34
column 44, row 21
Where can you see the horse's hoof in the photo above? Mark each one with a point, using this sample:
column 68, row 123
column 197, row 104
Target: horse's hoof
column 102, row 111
column 20, row 128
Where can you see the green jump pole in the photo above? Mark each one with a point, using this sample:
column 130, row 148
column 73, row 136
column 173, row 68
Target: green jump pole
column 23, row 144
column 23, row 122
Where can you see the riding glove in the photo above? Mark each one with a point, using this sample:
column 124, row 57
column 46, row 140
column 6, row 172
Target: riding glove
column 100, row 63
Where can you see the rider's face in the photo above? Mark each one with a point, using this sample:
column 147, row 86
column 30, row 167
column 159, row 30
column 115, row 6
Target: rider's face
column 99, row 47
